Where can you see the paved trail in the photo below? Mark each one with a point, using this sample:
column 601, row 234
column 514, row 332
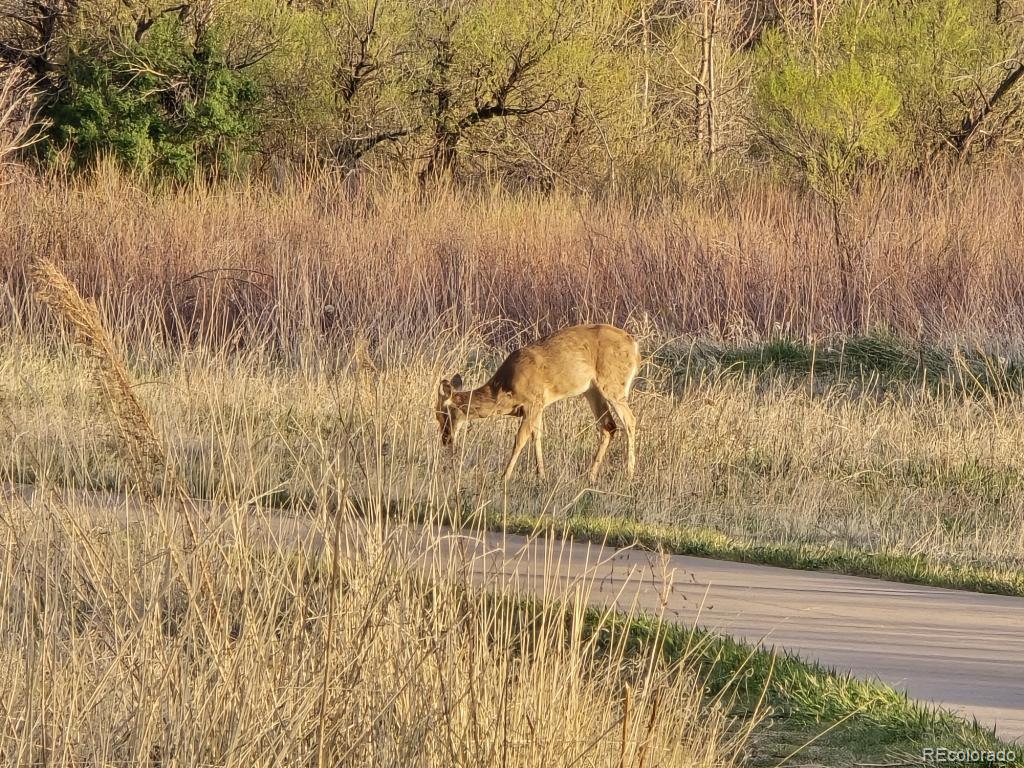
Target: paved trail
column 960, row 649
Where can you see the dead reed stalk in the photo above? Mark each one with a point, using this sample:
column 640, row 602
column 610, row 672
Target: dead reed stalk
column 144, row 454
column 142, row 449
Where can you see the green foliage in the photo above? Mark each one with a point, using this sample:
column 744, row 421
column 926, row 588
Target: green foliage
column 164, row 107
column 937, row 53
column 885, row 82
column 830, row 117
column 516, row 89
column 339, row 75
column 585, row 93
column 830, row 120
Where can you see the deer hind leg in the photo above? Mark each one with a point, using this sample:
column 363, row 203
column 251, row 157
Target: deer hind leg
column 531, row 420
column 606, row 424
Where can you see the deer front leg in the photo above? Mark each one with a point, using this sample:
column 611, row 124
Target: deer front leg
column 522, row 437
column 538, row 449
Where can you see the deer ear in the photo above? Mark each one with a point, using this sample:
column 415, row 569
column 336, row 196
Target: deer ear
column 445, row 390
column 457, row 381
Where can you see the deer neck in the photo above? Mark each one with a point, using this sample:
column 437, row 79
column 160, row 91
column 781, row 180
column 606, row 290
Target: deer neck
column 483, row 402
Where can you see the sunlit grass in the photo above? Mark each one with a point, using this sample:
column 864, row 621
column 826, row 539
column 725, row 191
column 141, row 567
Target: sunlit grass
column 892, row 481
column 891, row 466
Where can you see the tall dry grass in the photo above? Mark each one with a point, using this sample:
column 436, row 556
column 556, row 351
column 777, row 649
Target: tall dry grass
column 317, row 259
column 766, row 459
column 145, row 456
column 285, row 345
column 338, row 640
column 250, row 315
column 385, row 655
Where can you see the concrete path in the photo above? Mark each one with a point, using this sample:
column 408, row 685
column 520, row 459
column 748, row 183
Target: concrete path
column 962, row 650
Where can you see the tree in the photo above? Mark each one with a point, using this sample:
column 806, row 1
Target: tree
column 16, row 119
column 163, row 88
column 973, row 123
column 164, row 101
column 484, row 67
column 955, row 64
column 34, row 37
column 427, row 84
column 829, row 119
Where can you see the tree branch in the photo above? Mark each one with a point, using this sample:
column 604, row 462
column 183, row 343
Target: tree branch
column 143, row 23
column 963, row 138
column 353, row 149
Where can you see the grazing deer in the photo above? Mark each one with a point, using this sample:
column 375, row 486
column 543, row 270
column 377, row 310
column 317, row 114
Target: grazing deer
column 596, row 361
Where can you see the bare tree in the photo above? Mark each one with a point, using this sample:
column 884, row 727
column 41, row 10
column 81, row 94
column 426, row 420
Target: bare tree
column 705, row 87
column 17, row 118
column 363, row 51
column 513, row 88
column 33, row 36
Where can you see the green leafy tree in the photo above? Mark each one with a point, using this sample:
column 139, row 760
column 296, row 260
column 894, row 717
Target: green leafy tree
column 829, row 120
column 911, row 80
column 167, row 105
column 443, row 87
column 945, row 58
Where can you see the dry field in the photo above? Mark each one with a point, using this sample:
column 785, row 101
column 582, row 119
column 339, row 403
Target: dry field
column 759, row 459
column 276, row 336
column 150, row 629
column 284, row 347
column 303, row 268
column 116, row 652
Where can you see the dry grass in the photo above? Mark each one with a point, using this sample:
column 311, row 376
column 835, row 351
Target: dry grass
column 354, row 661
column 16, row 121
column 268, row 327
column 145, row 455
column 760, row 458
column 317, row 261
column 372, row 650
column 287, row 345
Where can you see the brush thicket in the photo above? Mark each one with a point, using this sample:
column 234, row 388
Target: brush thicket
column 304, row 267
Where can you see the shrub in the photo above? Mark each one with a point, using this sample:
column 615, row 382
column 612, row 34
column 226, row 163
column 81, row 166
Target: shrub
column 890, row 82
column 164, row 107
column 830, row 120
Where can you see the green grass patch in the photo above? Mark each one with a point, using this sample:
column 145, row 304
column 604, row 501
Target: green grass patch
column 830, row 717
column 808, row 714
column 702, row 542
column 879, row 359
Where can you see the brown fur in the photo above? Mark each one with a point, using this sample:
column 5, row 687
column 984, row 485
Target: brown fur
column 596, row 361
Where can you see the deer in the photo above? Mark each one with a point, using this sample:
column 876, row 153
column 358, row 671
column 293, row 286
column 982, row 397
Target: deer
column 598, row 362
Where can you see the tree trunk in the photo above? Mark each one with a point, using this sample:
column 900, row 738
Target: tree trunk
column 645, row 23
column 442, row 155
column 712, row 133
column 700, row 89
